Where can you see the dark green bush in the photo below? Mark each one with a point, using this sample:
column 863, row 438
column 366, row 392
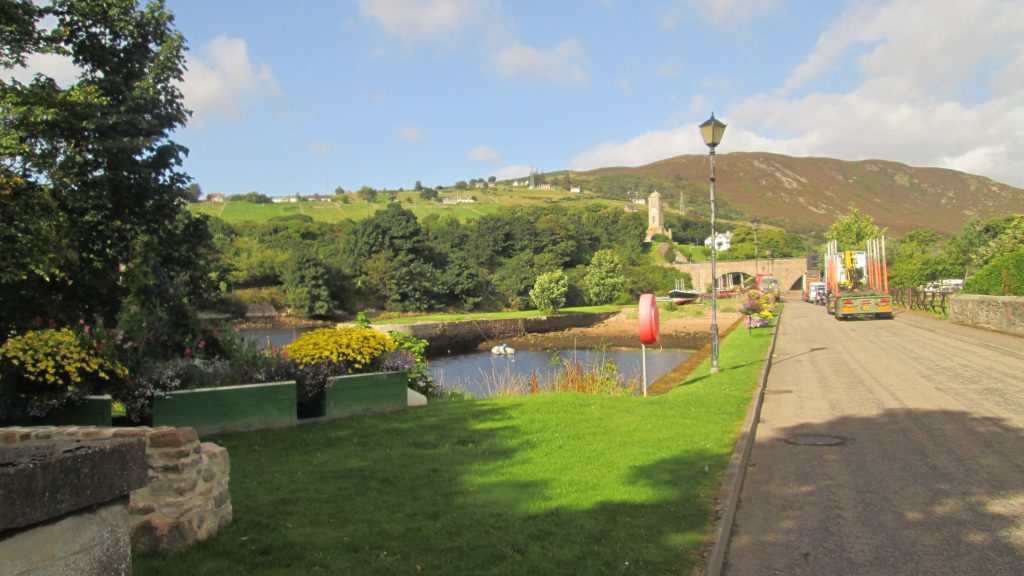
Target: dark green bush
column 1003, row 276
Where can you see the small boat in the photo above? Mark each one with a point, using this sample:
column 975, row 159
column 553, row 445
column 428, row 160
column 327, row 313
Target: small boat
column 503, row 349
column 680, row 297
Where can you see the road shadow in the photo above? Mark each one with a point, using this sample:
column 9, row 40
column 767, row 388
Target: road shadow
column 906, row 492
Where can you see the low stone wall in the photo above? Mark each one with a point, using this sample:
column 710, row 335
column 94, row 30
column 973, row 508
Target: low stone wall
column 186, row 497
column 1001, row 313
column 448, row 337
column 65, row 505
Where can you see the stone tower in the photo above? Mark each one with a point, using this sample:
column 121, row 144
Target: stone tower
column 655, row 220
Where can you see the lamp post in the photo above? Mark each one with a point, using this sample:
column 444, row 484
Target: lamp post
column 756, row 270
column 711, row 130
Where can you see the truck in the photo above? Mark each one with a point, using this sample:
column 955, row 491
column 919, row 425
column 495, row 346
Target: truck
column 858, row 281
column 810, row 278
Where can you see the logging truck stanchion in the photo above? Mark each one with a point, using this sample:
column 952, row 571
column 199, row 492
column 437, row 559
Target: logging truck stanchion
column 649, row 329
column 858, row 281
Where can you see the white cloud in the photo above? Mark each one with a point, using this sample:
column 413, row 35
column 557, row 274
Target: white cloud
column 563, row 64
column 56, row 66
column 412, row 134
column 938, row 83
column 644, row 149
column 484, row 153
column 512, row 172
column 221, row 83
column 417, row 20
column 718, row 12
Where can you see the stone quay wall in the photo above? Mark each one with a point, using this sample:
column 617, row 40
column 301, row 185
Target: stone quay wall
column 1000, row 313
column 186, row 497
column 463, row 335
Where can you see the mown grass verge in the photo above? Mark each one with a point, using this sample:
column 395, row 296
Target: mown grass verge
column 558, row 483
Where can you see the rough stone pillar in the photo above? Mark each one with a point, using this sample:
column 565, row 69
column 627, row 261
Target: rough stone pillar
column 65, row 506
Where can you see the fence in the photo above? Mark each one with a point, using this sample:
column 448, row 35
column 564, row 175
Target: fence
column 917, row 299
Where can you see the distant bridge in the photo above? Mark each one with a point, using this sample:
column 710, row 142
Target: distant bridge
column 789, row 271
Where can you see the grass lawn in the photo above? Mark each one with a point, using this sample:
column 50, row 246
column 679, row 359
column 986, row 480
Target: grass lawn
column 549, row 484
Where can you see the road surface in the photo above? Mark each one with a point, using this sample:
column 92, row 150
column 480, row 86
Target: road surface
column 927, row 476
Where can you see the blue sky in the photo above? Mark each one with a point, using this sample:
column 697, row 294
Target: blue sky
column 303, row 96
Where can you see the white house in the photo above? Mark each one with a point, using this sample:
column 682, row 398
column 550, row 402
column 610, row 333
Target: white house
column 722, row 242
column 575, row 189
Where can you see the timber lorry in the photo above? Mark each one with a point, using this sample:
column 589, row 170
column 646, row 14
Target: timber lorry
column 858, row 281
column 810, row 278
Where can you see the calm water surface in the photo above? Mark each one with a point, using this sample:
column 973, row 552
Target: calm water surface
column 482, row 373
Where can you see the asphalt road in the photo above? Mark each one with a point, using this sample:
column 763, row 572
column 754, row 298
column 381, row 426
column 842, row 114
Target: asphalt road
column 929, row 475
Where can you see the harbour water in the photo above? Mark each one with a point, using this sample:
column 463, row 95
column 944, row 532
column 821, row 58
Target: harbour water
column 484, row 374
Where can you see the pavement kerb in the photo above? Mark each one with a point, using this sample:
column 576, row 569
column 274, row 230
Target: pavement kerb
column 732, row 483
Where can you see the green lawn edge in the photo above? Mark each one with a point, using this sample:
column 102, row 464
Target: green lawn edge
column 546, row 484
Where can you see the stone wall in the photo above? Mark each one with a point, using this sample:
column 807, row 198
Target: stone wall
column 65, row 505
column 1001, row 313
column 448, row 337
column 186, row 497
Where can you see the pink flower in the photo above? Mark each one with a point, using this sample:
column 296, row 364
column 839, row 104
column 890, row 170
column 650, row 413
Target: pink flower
column 187, row 353
column 202, row 344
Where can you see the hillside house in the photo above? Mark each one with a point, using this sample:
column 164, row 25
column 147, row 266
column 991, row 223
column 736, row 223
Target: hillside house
column 575, row 189
column 283, row 199
column 215, row 197
column 458, row 200
column 723, row 240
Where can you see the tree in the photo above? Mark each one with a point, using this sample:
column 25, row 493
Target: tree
column 418, row 186
column 492, row 179
column 367, row 194
column 338, row 190
column 853, row 230
column 604, row 281
column 98, row 157
column 194, row 192
column 461, row 185
column 305, row 285
column 548, row 294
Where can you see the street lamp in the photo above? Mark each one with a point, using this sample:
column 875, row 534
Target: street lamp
column 712, row 130
column 756, row 271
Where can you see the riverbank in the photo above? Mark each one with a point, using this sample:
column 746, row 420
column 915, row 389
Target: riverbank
column 622, row 331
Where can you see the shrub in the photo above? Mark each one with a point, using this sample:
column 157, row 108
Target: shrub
column 357, row 349
column 407, row 347
column 1003, row 276
column 43, row 369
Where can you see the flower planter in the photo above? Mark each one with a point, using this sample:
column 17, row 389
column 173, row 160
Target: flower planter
column 92, row 411
column 228, row 408
column 358, row 393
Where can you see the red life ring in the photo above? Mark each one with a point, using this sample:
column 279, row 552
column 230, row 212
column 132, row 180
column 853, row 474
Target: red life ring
column 648, row 319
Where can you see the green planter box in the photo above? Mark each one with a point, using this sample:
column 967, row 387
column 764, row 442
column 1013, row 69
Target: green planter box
column 211, row 410
column 93, row 411
column 357, row 393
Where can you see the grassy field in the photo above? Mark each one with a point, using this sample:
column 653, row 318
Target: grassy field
column 558, row 483
column 487, row 203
